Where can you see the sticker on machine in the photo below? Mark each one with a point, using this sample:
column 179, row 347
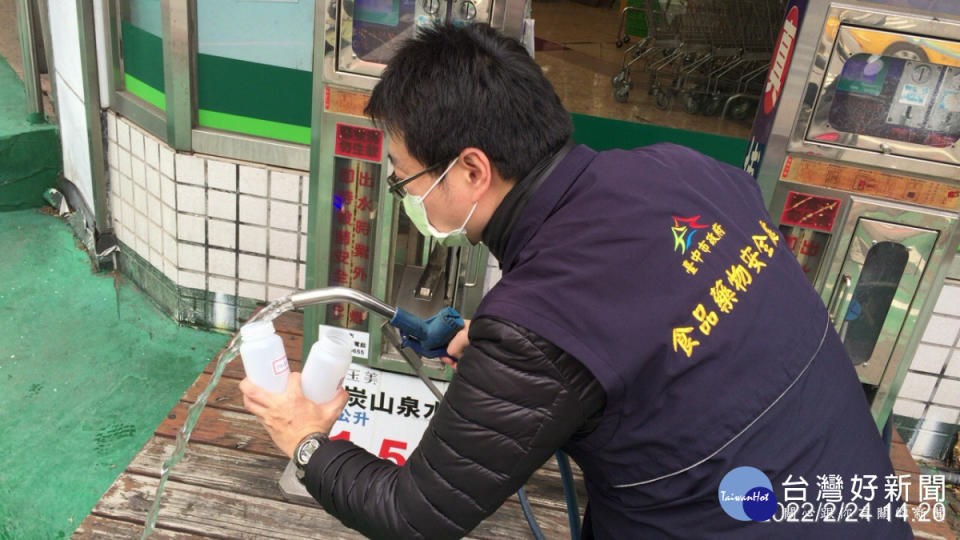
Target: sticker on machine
column 810, row 211
column 360, row 340
column 914, row 95
column 783, row 52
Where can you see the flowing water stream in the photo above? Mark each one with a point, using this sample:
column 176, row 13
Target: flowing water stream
column 231, row 351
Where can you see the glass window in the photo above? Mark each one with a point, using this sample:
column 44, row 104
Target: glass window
column 896, row 98
column 879, row 280
column 141, row 46
column 254, row 67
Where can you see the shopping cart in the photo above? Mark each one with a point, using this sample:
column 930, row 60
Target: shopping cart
column 713, row 53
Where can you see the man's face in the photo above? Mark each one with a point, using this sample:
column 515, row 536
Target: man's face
column 449, row 203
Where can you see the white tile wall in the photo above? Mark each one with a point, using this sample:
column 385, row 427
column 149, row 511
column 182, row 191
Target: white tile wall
column 251, row 267
column 192, row 280
column 948, row 393
column 917, row 386
column 154, row 209
column 283, row 273
column 222, row 262
column 908, row 407
column 123, row 161
column 949, row 301
column 191, row 228
column 170, row 249
column 249, row 289
column 937, row 360
column 139, row 198
column 274, row 292
column 191, row 199
column 189, row 169
column 191, row 257
column 138, row 172
column 187, row 215
column 223, row 285
column 123, row 135
column 136, row 144
column 253, row 210
column 222, row 233
column 284, row 215
column 222, row 175
column 253, row 239
column 253, row 180
column 283, row 244
column 153, row 181
column 151, row 152
column 930, row 358
column 169, row 222
column 170, row 270
column 942, row 414
column 953, row 365
column 285, row 186
column 111, row 126
column 942, row 330
column 168, row 191
column 167, row 162
column 222, row 204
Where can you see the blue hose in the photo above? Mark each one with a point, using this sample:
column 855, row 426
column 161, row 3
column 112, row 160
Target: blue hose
column 570, row 492
column 528, row 513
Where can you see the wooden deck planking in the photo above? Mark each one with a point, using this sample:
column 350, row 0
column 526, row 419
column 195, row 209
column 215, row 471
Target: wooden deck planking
column 227, row 484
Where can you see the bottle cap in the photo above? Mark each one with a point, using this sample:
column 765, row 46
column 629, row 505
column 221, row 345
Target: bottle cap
column 256, row 330
column 333, row 344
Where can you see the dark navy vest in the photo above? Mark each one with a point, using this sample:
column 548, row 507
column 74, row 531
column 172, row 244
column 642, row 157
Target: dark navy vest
column 659, row 269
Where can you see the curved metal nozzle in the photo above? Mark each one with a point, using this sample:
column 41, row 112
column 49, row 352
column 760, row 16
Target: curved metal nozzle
column 329, row 295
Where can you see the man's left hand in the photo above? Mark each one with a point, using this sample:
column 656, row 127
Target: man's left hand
column 290, row 416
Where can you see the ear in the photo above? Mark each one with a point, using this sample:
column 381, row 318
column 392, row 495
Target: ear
column 479, row 170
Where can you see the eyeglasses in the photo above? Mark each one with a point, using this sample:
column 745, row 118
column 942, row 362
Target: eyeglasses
column 396, row 184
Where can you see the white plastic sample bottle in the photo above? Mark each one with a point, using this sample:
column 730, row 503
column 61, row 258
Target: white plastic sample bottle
column 326, row 366
column 264, row 358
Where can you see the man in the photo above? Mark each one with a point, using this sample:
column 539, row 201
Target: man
column 650, row 322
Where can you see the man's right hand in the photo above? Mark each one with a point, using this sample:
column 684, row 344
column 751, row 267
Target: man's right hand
column 457, row 345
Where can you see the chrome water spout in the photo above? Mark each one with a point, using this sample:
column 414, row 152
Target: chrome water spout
column 329, row 295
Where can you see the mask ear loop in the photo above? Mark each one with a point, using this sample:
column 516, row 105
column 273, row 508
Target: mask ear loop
column 439, row 178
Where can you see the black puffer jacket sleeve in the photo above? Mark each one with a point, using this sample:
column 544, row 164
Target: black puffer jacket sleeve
column 514, row 400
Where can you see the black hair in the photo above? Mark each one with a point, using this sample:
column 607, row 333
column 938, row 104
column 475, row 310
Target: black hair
column 451, row 87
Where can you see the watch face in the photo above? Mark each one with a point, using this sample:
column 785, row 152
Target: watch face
column 306, row 450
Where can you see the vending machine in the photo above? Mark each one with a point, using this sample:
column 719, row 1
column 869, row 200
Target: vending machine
column 855, row 149
column 360, row 236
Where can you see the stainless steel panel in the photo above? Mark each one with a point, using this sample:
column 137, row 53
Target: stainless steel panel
column 29, row 33
column 346, row 65
column 846, row 31
column 179, row 68
column 884, row 264
column 91, row 103
column 249, row 148
column 140, row 113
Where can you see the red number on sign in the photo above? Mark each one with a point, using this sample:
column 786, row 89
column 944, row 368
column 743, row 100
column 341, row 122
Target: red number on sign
column 342, row 436
column 389, row 444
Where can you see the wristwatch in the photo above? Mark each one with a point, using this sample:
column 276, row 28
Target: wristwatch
column 304, row 451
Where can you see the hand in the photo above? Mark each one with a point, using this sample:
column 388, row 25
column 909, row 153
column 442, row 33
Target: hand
column 457, row 345
column 290, row 416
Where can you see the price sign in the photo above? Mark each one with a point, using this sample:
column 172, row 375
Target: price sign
column 386, row 413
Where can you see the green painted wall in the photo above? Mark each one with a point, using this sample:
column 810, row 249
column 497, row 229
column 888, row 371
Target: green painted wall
column 606, row 133
column 30, row 157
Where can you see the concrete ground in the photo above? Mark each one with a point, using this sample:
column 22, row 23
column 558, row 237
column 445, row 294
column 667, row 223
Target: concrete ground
column 86, row 374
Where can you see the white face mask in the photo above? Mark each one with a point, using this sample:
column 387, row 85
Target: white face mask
column 417, row 212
